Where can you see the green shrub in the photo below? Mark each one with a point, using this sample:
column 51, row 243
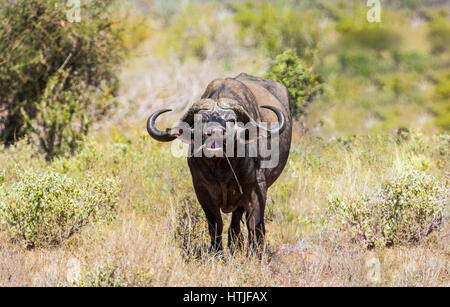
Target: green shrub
column 87, row 159
column 356, row 33
column 107, row 275
column 399, row 83
column 110, row 274
column 439, row 35
column 303, row 85
column 362, row 64
column 411, row 61
column 276, row 26
column 442, row 89
column 61, row 120
column 377, row 39
column 440, row 106
column 137, row 28
column 48, row 65
column 402, row 211
column 44, row 209
column 442, row 120
column 194, row 32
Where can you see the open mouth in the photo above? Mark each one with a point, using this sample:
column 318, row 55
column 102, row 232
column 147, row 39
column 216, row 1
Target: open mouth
column 215, row 145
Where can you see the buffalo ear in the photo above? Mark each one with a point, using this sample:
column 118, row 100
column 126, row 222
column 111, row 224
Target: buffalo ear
column 174, row 131
column 184, row 134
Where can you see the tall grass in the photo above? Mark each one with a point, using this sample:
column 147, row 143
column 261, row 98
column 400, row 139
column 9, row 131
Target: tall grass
column 159, row 236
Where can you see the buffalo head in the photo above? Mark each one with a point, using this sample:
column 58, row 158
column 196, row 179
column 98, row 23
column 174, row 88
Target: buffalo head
column 215, row 122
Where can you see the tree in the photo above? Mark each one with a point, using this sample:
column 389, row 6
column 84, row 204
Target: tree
column 56, row 76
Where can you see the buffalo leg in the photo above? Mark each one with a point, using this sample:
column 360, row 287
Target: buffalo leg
column 215, row 227
column 256, row 231
column 235, row 239
column 255, row 219
column 213, row 216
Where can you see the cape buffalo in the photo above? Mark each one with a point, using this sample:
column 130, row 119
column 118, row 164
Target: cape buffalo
column 224, row 180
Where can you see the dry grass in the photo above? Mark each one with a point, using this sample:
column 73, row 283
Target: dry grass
column 146, row 245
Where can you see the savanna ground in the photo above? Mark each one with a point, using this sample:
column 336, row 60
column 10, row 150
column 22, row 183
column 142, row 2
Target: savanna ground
column 382, row 112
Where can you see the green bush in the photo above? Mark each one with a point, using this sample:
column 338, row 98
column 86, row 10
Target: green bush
column 61, row 121
column 356, row 33
column 107, row 275
column 402, row 211
column 362, row 64
column 399, row 83
column 411, row 61
column 44, row 209
column 440, row 106
column 48, row 65
column 276, row 26
column 303, row 85
column 439, row 35
column 110, row 274
column 378, row 39
column 442, row 89
column 194, row 32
